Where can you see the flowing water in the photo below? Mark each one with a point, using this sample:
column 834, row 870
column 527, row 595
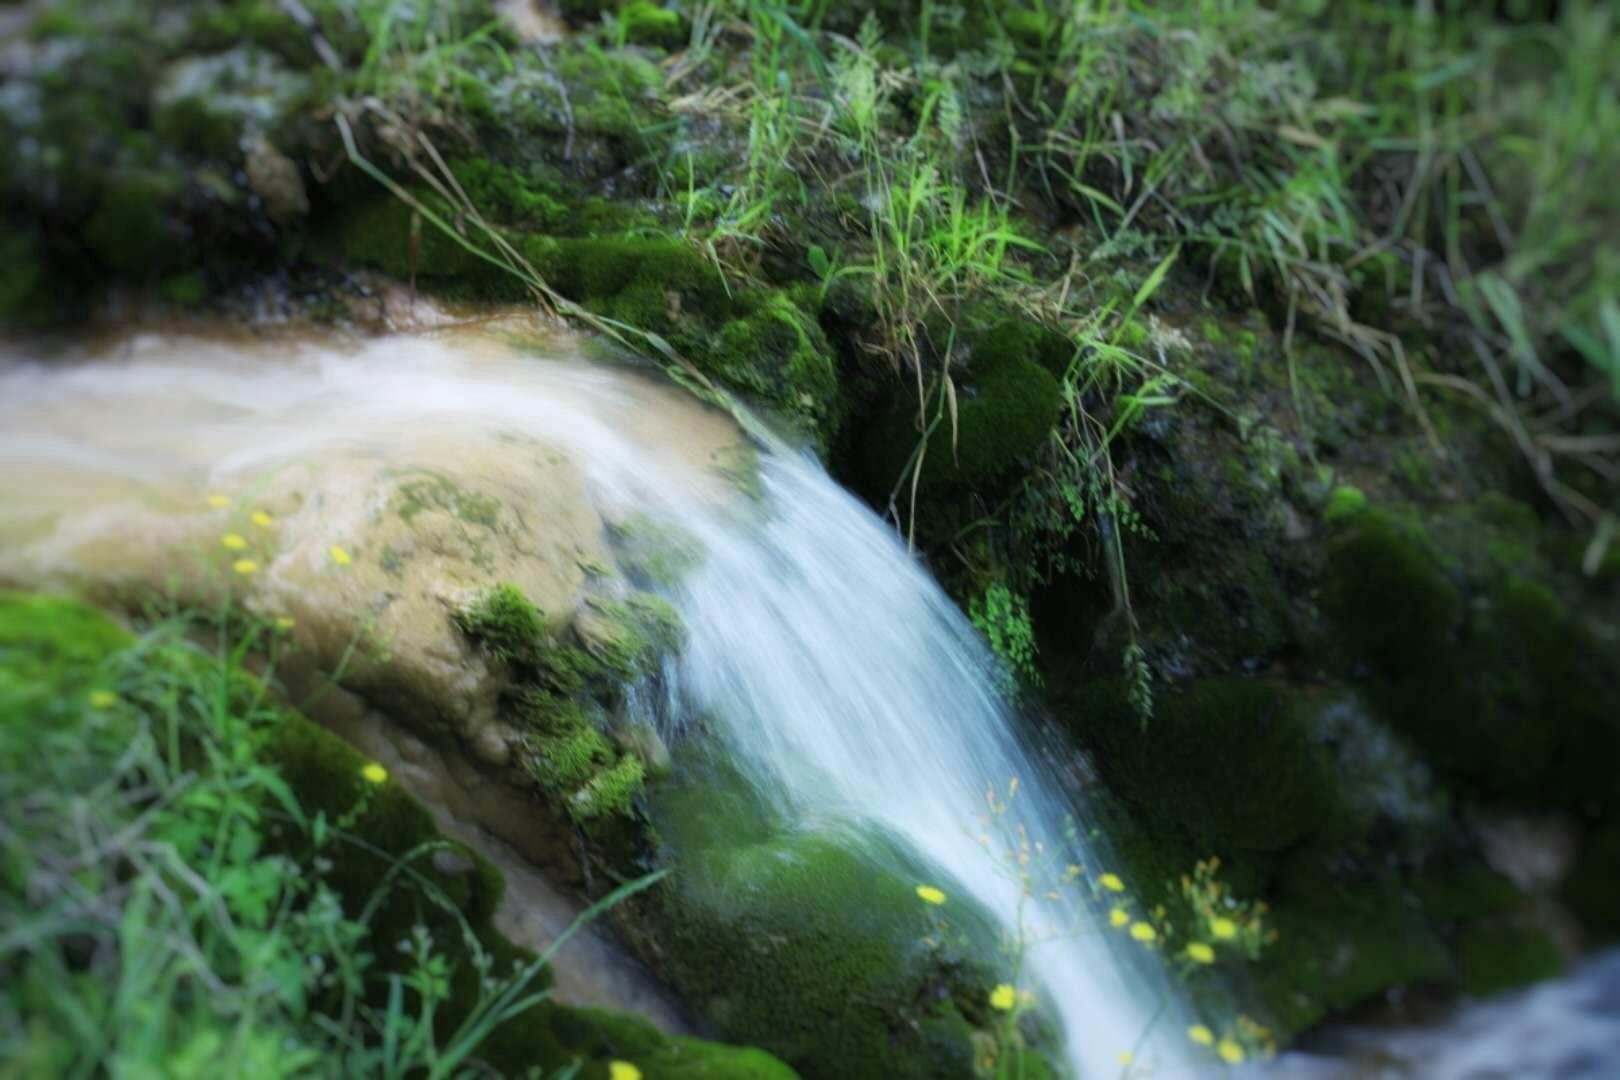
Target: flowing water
column 840, row 679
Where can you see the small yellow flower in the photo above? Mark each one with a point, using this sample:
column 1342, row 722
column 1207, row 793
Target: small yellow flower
column 1143, row 932
column 232, row 542
column 1003, row 997
column 262, row 519
column 1118, row 917
column 1230, row 1052
column 218, row 502
column 1200, row 953
column 1111, row 882
column 930, row 895
column 341, row 557
column 1125, row 1058
column 283, row 622
column 374, row 773
column 103, row 699
column 1201, row 1035
column 1223, row 928
column 245, row 567
column 623, row 1070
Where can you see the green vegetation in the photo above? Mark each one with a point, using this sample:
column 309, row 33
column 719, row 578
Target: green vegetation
column 564, row 691
column 194, row 874
column 1228, row 360
column 813, row 942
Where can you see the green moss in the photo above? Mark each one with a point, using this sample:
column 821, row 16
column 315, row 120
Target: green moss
column 1494, row 959
column 570, row 757
column 640, row 631
column 1014, row 340
column 646, row 23
column 609, row 792
column 1345, row 501
column 184, row 290
column 1228, row 763
column 1002, row 418
column 435, row 492
column 1388, row 595
column 26, row 298
column 654, row 553
column 1593, row 888
column 504, row 623
column 812, row 943
column 776, row 353
column 508, row 196
column 1506, row 693
column 129, row 231
column 444, row 895
column 1465, row 893
column 1341, row 940
column 386, row 234
column 50, row 645
column 596, row 269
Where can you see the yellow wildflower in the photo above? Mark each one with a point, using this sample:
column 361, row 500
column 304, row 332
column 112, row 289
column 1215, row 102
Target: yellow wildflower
column 339, row 556
column 1125, row 1059
column 1223, row 928
column 232, row 542
column 245, row 567
column 1112, row 883
column 1118, row 917
column 1201, row 1035
column 218, row 502
column 374, row 773
column 1143, row 932
column 1003, row 997
column 1230, row 1052
column 930, row 895
column 103, row 699
column 623, row 1070
column 1200, row 953
column 283, row 622
column 262, row 519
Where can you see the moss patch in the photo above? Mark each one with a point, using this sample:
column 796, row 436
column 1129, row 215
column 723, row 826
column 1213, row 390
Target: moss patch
column 812, row 942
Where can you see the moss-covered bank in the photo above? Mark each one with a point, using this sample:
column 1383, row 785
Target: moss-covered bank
column 338, row 820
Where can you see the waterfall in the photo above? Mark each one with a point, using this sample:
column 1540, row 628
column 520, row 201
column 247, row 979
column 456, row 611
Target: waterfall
column 840, row 679
column 850, row 688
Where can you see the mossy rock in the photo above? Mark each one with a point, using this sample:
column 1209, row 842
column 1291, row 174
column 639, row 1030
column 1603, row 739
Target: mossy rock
column 570, row 683
column 130, row 231
column 1341, row 940
column 383, row 857
column 48, row 643
column 1493, row 679
column 1012, row 340
column 777, row 353
column 444, row 895
column 1388, row 595
column 386, row 234
column 1229, row 763
column 1593, row 888
column 809, row 943
column 511, row 197
column 1003, row 416
column 1497, row 958
column 209, row 105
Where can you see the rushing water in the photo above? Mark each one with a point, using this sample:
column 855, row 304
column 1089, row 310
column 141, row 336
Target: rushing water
column 839, row 678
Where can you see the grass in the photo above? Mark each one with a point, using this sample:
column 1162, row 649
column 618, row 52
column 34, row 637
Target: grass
column 165, row 904
column 1421, row 186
